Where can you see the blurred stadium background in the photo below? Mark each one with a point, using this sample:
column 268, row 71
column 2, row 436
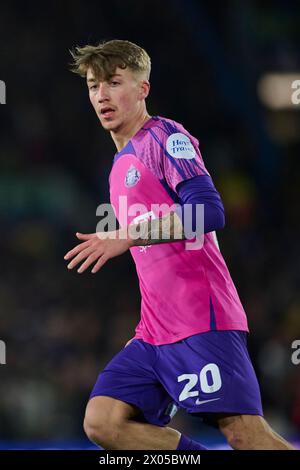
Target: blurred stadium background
column 213, row 70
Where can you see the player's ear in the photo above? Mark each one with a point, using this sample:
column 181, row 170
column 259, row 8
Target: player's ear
column 144, row 89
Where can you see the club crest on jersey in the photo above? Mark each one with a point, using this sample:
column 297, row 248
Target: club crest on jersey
column 180, row 146
column 132, row 177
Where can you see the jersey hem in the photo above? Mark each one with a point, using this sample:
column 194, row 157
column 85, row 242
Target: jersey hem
column 175, row 339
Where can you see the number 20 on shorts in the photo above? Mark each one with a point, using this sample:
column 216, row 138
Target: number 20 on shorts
column 216, row 382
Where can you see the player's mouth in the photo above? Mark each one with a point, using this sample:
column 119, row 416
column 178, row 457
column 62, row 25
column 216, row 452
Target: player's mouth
column 107, row 112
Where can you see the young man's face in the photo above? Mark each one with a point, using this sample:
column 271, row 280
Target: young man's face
column 118, row 100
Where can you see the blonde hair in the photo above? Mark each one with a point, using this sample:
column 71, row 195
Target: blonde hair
column 104, row 58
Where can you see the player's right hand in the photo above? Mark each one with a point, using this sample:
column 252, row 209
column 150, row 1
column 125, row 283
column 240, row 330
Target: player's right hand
column 97, row 248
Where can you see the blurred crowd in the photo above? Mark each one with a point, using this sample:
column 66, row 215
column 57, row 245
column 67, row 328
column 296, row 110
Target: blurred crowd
column 61, row 328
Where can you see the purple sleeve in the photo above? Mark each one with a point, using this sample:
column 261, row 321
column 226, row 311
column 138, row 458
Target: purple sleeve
column 201, row 190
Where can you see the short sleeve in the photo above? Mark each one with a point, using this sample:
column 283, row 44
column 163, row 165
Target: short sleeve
column 180, row 157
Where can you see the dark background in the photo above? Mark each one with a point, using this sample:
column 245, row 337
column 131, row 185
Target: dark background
column 61, row 328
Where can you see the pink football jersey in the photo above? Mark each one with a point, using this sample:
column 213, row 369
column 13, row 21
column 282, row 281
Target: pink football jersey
column 183, row 291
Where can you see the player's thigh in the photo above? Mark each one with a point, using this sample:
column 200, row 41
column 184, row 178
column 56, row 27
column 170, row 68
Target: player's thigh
column 129, row 379
column 102, row 411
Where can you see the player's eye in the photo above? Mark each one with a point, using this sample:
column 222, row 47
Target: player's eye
column 114, row 83
column 93, row 87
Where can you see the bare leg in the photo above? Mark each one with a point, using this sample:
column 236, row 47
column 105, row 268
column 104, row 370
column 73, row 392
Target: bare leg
column 110, row 424
column 251, row 432
column 140, row 436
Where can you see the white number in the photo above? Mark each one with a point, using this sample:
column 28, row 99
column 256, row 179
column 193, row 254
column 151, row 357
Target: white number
column 192, row 380
column 204, row 385
column 216, row 379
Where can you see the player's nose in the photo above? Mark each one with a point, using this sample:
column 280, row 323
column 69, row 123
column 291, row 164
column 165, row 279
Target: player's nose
column 102, row 93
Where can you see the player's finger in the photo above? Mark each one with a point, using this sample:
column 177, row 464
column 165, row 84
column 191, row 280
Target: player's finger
column 81, row 256
column 85, row 236
column 99, row 264
column 76, row 249
column 91, row 259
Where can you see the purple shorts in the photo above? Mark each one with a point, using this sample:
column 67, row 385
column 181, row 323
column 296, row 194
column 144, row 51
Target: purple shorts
column 204, row 373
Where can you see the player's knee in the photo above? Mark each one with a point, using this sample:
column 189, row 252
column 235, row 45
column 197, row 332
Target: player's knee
column 100, row 426
column 242, row 432
column 237, row 439
column 106, row 420
column 92, row 429
column 234, row 435
column 102, row 431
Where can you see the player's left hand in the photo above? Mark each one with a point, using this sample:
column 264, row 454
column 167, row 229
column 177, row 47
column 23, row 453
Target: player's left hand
column 97, row 248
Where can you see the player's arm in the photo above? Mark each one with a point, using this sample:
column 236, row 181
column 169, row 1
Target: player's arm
column 156, row 231
column 97, row 248
column 185, row 220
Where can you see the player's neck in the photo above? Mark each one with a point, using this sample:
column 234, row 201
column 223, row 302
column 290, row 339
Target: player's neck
column 122, row 137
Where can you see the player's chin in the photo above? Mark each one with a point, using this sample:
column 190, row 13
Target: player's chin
column 109, row 125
